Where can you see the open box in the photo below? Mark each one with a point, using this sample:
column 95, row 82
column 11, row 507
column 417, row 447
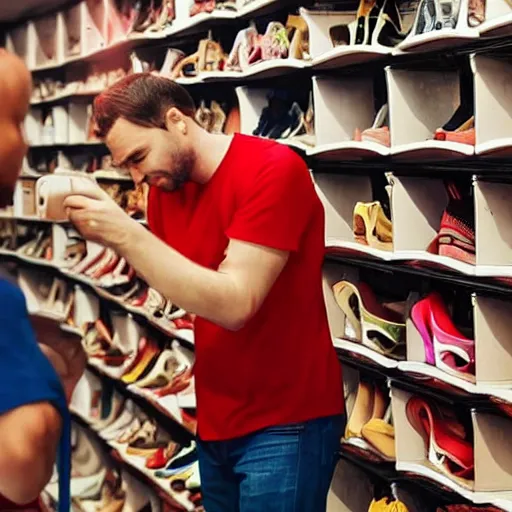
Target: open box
column 342, row 332
column 343, row 106
column 324, row 53
column 492, row 453
column 426, row 99
column 493, row 105
column 339, row 195
column 445, row 37
column 252, row 101
column 49, row 30
column 418, row 205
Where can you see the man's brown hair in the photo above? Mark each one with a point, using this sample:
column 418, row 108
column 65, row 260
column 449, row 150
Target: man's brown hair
column 141, row 98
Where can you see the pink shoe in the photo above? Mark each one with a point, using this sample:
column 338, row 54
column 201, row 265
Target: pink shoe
column 444, row 344
column 377, row 135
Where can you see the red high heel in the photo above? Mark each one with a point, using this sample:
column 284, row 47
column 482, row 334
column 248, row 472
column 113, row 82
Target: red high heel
column 445, row 345
column 447, row 447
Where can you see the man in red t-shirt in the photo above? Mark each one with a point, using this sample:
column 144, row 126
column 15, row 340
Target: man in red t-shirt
column 240, row 243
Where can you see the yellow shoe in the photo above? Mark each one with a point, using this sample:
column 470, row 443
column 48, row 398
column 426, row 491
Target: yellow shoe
column 381, row 436
column 370, row 322
column 372, row 227
column 362, row 411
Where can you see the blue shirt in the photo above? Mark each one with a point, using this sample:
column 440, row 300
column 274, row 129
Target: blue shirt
column 26, row 376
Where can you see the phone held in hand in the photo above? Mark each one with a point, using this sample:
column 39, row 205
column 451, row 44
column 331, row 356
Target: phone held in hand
column 52, row 190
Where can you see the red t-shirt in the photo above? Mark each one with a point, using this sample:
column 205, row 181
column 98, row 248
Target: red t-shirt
column 281, row 367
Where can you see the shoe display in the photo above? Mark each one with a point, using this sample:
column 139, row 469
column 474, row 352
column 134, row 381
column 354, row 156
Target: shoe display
column 456, row 236
column 372, row 227
column 370, row 420
column 367, row 321
column 377, row 23
column 446, row 442
column 408, row 305
column 379, row 132
column 445, row 346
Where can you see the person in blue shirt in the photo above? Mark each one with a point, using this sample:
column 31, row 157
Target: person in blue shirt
column 39, row 365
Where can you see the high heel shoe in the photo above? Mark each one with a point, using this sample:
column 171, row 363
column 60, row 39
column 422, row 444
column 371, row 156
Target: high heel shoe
column 376, row 326
column 449, row 452
column 162, row 372
column 147, row 358
column 445, row 345
column 362, row 410
column 378, row 431
column 372, row 227
column 298, row 36
column 456, row 237
column 464, row 134
column 379, row 132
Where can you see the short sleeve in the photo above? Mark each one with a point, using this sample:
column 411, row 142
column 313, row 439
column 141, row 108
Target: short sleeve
column 275, row 207
column 26, row 376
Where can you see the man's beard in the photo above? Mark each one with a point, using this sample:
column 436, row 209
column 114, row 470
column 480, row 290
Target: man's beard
column 183, row 167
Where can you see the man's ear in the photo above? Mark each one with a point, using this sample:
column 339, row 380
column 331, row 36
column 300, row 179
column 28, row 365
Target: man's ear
column 174, row 118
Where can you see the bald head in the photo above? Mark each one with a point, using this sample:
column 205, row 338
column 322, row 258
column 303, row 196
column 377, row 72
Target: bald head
column 15, row 90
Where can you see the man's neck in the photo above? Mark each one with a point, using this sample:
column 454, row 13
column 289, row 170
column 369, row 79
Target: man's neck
column 210, row 152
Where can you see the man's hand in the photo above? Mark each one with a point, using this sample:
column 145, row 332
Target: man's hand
column 96, row 215
column 63, row 350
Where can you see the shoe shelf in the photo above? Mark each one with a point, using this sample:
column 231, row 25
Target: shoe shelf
column 486, row 450
column 171, row 406
column 417, row 209
column 325, row 54
column 444, row 33
column 423, row 98
column 412, row 357
column 166, row 327
column 143, row 487
column 84, row 32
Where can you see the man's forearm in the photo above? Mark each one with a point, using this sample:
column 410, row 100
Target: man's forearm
column 207, row 293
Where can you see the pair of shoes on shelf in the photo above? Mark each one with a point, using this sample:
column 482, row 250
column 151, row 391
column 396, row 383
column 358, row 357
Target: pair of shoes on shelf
column 283, row 119
column 98, row 343
column 445, row 346
column 372, row 227
column 370, row 420
column 447, row 444
column 376, row 325
column 278, row 42
column 379, row 132
column 460, row 128
column 209, row 57
column 35, row 242
column 378, row 22
column 151, row 15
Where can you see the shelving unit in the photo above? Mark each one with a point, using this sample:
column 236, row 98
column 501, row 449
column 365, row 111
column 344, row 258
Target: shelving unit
column 421, row 81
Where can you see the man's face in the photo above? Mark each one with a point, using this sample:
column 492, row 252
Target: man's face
column 162, row 158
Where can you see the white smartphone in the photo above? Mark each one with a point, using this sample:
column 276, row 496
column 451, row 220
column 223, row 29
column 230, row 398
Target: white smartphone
column 51, row 191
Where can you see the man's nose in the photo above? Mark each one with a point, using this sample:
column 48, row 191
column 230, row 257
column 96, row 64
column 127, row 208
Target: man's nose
column 137, row 176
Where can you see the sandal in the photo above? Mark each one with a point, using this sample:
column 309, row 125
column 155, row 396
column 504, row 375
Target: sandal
column 209, row 57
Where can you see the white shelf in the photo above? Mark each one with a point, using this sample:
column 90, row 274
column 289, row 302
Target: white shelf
column 349, row 150
column 343, row 56
column 368, row 353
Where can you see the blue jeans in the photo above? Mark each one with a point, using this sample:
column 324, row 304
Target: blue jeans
column 287, row 468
